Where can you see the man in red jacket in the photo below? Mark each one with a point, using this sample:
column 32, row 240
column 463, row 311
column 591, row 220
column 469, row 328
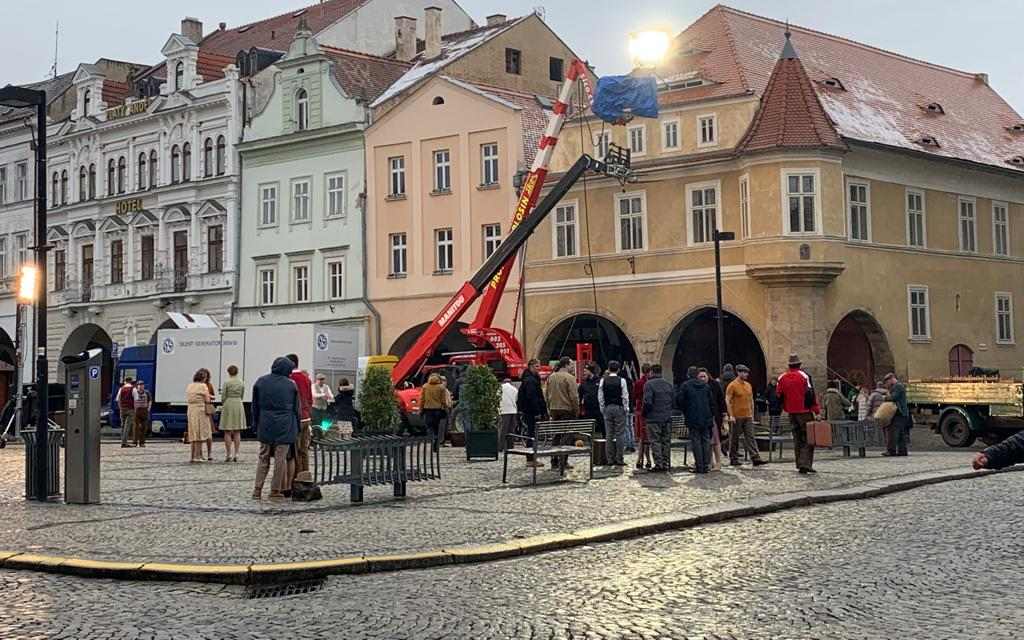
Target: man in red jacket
column 794, row 387
column 305, row 387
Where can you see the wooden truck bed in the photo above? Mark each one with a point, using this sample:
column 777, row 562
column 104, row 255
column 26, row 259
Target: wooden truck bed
column 1002, row 397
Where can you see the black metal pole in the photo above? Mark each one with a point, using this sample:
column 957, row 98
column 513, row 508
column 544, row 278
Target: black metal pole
column 42, row 372
column 718, row 299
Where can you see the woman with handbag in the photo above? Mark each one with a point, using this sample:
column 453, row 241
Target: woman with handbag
column 198, row 398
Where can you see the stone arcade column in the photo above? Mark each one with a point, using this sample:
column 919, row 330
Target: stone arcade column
column 795, row 311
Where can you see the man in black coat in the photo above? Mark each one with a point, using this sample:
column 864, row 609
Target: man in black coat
column 694, row 399
column 588, row 397
column 276, row 416
column 530, row 402
column 1007, row 453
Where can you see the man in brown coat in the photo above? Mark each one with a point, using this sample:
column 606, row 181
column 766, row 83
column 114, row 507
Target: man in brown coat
column 563, row 400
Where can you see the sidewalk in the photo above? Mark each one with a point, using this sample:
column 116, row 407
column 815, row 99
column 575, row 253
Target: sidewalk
column 158, row 508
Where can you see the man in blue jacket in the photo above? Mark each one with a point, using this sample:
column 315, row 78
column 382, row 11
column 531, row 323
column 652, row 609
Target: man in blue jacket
column 276, row 415
column 695, row 401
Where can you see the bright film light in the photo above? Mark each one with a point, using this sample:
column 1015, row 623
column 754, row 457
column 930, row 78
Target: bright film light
column 648, row 48
column 27, row 285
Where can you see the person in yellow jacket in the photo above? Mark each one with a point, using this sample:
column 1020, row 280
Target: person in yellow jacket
column 435, row 401
column 739, row 400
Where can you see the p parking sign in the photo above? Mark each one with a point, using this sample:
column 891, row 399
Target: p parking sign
column 94, row 373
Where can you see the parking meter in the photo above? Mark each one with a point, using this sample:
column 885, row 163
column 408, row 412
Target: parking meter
column 83, row 384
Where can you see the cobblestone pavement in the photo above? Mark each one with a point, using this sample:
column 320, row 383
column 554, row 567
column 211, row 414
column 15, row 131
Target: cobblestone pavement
column 937, row 562
column 157, row 507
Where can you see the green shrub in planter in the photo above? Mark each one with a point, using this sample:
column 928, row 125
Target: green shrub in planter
column 481, row 394
column 378, row 405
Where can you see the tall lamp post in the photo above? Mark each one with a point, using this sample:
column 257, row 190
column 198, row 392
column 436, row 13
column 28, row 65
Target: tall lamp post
column 19, row 97
column 719, row 237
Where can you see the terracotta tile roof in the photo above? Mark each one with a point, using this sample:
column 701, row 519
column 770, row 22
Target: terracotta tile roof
column 790, row 115
column 364, row 76
column 211, row 65
column 115, row 92
column 883, row 96
column 277, row 32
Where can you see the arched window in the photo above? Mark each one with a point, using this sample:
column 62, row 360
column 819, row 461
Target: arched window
column 242, row 62
column 302, row 109
column 175, row 164
column 122, row 173
column 141, row 172
column 208, row 157
column 186, row 162
column 221, row 150
column 86, row 99
column 92, row 181
column 64, row 186
column 154, row 174
column 111, row 167
column 83, row 184
column 179, row 76
column 54, row 191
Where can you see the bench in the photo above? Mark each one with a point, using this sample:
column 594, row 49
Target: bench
column 775, row 435
column 374, row 460
column 548, row 442
column 857, row 434
column 680, row 437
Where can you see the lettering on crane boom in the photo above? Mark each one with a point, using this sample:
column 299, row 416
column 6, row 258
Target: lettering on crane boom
column 524, row 202
column 451, row 311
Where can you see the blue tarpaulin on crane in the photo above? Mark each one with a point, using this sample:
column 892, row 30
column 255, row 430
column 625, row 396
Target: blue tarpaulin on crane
column 618, row 98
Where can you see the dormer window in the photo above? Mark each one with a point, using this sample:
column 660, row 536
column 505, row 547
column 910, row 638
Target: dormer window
column 179, row 76
column 928, row 141
column 1017, row 128
column 1017, row 161
column 934, row 107
column 86, row 100
column 302, row 109
column 438, row 100
column 834, row 83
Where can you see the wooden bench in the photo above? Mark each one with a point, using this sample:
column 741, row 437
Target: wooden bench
column 365, row 461
column 546, row 444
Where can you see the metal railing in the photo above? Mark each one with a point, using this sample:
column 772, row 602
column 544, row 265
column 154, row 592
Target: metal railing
column 366, row 461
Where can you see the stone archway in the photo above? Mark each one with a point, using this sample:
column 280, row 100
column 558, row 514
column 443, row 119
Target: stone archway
column 609, row 340
column 694, row 342
column 91, row 336
column 858, row 350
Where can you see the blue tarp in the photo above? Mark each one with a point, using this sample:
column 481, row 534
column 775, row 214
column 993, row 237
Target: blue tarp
column 618, row 97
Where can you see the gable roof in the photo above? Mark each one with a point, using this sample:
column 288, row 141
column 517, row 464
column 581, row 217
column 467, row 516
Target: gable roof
column 54, row 88
column 277, row 32
column 453, row 47
column 361, row 75
column 883, row 96
column 790, row 115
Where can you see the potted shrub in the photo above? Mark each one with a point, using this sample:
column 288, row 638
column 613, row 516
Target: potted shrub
column 480, row 394
column 378, row 406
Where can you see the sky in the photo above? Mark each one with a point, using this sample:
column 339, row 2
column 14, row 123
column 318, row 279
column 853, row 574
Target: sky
column 985, row 38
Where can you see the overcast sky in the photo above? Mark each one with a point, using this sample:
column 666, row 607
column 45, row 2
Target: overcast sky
column 985, row 38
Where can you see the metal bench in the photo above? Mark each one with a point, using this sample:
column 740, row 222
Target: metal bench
column 680, row 437
column 545, row 444
column 857, row 434
column 366, row 461
column 775, row 435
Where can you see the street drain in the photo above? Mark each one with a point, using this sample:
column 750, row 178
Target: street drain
column 254, row 592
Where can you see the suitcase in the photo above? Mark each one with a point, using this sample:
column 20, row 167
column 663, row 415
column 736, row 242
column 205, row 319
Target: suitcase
column 819, row 434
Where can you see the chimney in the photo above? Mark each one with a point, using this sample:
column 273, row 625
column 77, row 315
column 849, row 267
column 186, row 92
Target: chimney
column 223, row 26
column 496, row 19
column 982, row 78
column 405, row 38
column 192, row 29
column 433, row 31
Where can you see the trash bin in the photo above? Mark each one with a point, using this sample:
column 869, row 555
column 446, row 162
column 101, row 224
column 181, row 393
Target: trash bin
column 54, row 443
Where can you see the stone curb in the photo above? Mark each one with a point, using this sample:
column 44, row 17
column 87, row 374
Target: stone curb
column 253, row 574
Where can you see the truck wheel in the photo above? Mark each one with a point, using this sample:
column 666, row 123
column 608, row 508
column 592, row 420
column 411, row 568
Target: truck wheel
column 955, row 430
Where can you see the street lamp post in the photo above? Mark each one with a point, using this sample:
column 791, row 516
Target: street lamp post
column 20, row 97
column 719, row 237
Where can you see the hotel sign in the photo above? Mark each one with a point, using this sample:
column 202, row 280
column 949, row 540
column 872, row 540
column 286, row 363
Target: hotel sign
column 128, row 206
column 128, row 109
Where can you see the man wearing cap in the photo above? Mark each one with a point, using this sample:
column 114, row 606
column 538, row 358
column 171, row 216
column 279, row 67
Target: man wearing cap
column 901, row 422
column 739, row 398
column 799, row 401
column 323, row 398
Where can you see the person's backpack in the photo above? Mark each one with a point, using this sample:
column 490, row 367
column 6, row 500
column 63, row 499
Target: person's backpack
column 305, row 491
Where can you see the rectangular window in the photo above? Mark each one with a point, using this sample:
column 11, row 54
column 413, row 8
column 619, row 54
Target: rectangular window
column 670, row 134
column 703, row 204
column 87, row 266
column 300, row 201
column 22, row 181
column 60, row 270
column 492, row 238
column 397, row 187
column 920, row 320
column 3, row 185
column 179, row 241
column 300, row 283
column 745, row 206
column 601, row 142
column 968, row 226
column 21, row 248
column 566, row 233
column 631, row 216
column 556, row 69
column 336, row 279
column 489, row 160
column 708, row 127
column 513, row 61
column 859, row 206
column 215, row 249
column 335, row 195
column 638, row 140
column 268, row 288
column 1004, row 318
column 1000, row 229
column 3, row 256
column 398, row 254
column 444, row 244
column 801, row 197
column 915, row 219
column 117, row 262
column 148, row 254
column 442, row 171
column 268, row 205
